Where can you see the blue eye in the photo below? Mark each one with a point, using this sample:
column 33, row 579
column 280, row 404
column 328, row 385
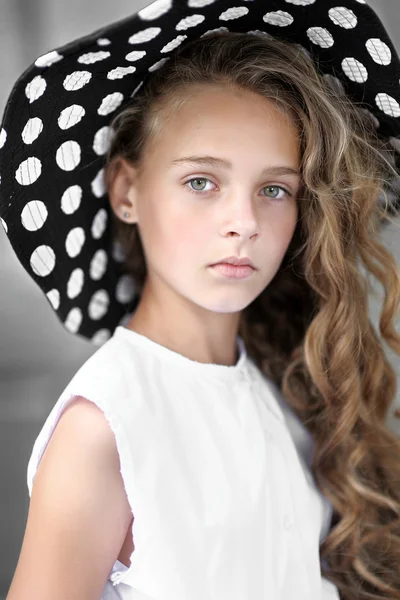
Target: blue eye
column 201, row 191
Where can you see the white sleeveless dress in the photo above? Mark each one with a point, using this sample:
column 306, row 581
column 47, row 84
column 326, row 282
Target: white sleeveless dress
column 215, row 467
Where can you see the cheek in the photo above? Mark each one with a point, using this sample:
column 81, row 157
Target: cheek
column 292, row 224
column 278, row 235
column 188, row 233
column 176, row 236
column 288, row 225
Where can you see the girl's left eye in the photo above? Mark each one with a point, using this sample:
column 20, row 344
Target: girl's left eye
column 197, row 179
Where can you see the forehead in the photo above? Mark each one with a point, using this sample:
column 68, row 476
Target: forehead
column 230, row 119
column 205, row 101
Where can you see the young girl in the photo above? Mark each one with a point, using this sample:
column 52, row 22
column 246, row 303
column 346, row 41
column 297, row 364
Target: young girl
column 228, row 438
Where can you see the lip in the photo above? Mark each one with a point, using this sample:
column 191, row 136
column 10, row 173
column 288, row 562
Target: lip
column 230, row 271
column 235, row 261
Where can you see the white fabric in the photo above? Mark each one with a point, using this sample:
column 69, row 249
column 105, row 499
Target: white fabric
column 215, row 469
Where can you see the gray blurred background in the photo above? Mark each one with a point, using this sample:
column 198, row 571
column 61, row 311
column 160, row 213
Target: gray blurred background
column 37, row 356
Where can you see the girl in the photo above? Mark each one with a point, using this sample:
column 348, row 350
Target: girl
column 228, row 438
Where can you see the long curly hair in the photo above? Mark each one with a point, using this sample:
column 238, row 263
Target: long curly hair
column 309, row 331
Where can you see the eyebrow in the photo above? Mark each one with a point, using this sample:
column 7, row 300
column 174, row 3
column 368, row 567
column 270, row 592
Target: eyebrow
column 212, row 161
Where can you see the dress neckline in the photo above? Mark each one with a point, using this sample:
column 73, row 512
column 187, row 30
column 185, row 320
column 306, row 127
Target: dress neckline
column 223, row 372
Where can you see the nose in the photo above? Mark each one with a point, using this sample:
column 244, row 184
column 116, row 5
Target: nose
column 241, row 215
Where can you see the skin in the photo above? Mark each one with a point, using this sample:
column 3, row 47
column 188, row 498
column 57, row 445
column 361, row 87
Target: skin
column 186, row 306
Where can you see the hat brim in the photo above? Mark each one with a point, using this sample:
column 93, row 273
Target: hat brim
column 55, row 131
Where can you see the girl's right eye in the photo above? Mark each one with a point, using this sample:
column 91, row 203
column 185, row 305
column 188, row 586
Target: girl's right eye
column 196, row 179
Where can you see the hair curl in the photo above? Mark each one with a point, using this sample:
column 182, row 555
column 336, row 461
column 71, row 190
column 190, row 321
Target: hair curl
column 309, row 330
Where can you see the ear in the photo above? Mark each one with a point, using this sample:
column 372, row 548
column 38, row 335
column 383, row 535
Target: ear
column 122, row 190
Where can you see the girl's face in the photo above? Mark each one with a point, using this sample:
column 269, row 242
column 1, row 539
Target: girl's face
column 191, row 214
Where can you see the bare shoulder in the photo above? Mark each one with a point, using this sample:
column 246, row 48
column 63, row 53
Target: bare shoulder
column 78, row 514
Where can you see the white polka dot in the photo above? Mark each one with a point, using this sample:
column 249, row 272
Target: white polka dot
column 144, row 36
column 110, row 103
column 344, row 17
column 101, row 336
column 137, row 88
column 98, row 184
column 42, row 260
column 48, row 59
column 120, row 72
column 158, row 64
column 320, row 36
column 74, row 242
column 174, row 43
column 34, row 215
column 279, row 18
column 103, row 42
column 125, row 319
column 70, row 116
column 3, row 137
column 28, row 171
column 259, row 33
column 191, row 21
column 388, row 105
column 210, row 31
column 371, row 117
column 125, row 289
column 68, row 155
column 92, row 57
column 99, row 223
column 395, row 143
column 389, row 199
column 102, row 140
column 54, row 298
column 379, row 51
column 117, row 252
column 4, row 225
column 98, row 305
column 75, row 283
column 335, row 83
column 199, row 3
column 73, row 320
column 305, row 52
column 71, row 199
column 354, row 70
column 35, row 88
column 76, row 80
column 32, row 130
column 155, row 10
column 301, row 2
column 98, row 265
column 135, row 55
column 233, row 13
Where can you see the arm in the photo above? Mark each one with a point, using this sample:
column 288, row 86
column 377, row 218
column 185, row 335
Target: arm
column 78, row 514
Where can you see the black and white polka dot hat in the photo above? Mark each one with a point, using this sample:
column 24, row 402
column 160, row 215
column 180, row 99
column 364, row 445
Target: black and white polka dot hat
column 55, row 131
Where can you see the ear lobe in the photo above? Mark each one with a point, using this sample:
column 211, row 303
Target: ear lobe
column 122, row 191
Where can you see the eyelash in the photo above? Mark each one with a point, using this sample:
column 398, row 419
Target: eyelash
column 197, row 192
